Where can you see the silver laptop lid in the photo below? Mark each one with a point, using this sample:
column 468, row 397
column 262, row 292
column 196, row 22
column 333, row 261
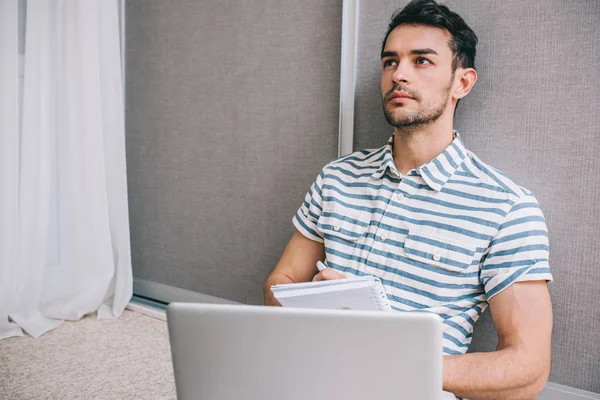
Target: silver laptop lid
column 233, row 352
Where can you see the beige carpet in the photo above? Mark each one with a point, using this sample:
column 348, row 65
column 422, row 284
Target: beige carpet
column 126, row 358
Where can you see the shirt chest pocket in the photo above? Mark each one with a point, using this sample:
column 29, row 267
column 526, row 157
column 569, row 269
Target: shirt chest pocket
column 438, row 251
column 341, row 225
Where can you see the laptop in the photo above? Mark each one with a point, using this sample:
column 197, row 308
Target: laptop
column 240, row 352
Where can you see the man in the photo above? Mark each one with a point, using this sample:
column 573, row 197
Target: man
column 443, row 231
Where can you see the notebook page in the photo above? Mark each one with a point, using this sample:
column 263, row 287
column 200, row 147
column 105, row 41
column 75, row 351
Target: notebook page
column 328, row 283
column 302, row 290
column 358, row 293
column 356, row 298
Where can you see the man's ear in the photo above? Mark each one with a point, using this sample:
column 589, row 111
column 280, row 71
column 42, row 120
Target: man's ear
column 465, row 79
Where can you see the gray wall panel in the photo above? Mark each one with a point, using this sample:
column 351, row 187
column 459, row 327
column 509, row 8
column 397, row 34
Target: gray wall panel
column 535, row 115
column 232, row 111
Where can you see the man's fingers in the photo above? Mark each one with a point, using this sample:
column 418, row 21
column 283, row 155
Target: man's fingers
column 328, row 274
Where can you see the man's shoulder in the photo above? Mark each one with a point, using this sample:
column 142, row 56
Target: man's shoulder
column 474, row 168
column 362, row 161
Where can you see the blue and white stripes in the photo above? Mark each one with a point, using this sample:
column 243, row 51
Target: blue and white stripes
column 444, row 238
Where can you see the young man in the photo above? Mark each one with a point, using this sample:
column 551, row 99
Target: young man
column 445, row 232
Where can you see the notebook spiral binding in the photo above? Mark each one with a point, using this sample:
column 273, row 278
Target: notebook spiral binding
column 379, row 295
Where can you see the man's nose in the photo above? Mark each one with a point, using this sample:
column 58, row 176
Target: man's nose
column 401, row 74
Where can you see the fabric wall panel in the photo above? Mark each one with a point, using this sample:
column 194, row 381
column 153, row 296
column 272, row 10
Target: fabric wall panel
column 232, row 110
column 533, row 114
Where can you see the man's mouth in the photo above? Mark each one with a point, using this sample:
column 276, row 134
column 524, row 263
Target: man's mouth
column 399, row 96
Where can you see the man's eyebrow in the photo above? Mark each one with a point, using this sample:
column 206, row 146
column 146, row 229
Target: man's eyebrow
column 415, row 52
column 423, row 51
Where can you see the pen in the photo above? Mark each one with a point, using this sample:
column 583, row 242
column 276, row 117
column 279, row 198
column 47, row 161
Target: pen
column 321, row 266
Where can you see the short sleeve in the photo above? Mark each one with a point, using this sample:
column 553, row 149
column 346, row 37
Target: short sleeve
column 519, row 251
column 308, row 214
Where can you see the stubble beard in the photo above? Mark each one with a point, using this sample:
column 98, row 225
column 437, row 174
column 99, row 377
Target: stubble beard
column 421, row 117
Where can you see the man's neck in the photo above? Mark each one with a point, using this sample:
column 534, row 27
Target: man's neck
column 416, row 147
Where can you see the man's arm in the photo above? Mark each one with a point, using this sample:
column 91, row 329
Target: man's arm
column 519, row 368
column 297, row 264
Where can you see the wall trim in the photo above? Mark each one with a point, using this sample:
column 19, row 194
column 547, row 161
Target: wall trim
column 554, row 391
column 147, row 308
column 350, row 13
column 169, row 294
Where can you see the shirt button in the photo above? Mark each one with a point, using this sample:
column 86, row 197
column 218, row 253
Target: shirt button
column 399, row 196
column 382, row 237
column 336, row 228
column 436, row 257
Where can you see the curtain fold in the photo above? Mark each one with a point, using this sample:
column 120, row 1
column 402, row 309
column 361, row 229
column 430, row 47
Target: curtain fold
column 9, row 161
column 73, row 251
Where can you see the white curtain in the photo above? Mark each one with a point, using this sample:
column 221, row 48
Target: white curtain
column 64, row 225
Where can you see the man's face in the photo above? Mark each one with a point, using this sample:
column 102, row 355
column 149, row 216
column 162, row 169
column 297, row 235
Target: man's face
column 416, row 75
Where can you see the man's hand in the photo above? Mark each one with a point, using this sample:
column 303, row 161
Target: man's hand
column 328, row 274
column 297, row 264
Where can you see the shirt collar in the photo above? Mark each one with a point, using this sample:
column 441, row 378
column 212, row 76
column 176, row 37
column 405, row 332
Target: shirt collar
column 436, row 172
column 386, row 160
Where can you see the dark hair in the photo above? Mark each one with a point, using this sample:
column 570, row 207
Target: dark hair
column 427, row 12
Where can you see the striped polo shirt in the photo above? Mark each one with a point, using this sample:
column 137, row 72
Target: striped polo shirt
column 444, row 238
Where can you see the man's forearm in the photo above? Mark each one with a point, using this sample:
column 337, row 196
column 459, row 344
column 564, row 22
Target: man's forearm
column 274, row 279
column 503, row 374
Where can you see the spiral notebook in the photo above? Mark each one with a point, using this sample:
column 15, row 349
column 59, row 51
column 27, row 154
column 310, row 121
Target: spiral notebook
column 357, row 293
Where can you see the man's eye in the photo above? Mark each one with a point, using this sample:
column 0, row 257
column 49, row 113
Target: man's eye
column 423, row 61
column 389, row 63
